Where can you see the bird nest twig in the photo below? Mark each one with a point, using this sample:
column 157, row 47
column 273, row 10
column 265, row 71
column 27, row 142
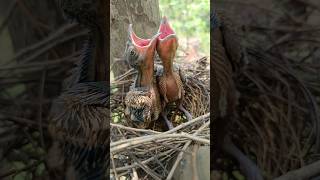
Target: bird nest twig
column 152, row 153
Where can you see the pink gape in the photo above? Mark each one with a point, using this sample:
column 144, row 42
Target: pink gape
column 139, row 41
column 165, row 29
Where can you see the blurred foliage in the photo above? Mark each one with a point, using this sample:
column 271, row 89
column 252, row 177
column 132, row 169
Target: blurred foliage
column 6, row 46
column 189, row 18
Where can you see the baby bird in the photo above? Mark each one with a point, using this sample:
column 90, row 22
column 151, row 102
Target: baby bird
column 169, row 81
column 143, row 100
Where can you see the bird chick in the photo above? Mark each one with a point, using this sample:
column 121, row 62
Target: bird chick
column 170, row 82
column 143, row 100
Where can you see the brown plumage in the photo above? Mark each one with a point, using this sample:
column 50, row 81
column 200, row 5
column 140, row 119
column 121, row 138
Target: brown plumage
column 171, row 87
column 169, row 81
column 226, row 57
column 143, row 107
column 143, row 100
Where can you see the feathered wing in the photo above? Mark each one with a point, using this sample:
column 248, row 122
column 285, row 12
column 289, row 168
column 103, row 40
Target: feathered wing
column 179, row 84
column 163, row 88
column 157, row 106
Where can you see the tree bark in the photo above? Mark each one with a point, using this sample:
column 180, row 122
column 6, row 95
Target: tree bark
column 145, row 17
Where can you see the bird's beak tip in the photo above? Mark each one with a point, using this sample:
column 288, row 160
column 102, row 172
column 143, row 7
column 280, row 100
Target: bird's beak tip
column 164, row 19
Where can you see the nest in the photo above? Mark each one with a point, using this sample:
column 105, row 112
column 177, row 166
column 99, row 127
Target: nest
column 152, row 153
column 277, row 116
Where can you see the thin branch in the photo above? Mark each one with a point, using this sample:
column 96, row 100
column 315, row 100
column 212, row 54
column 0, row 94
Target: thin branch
column 145, row 139
column 305, row 172
column 42, row 86
column 41, row 64
column 61, row 31
column 24, row 121
column 180, row 156
column 134, row 129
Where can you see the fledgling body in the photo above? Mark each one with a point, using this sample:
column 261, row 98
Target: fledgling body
column 143, row 100
column 170, row 81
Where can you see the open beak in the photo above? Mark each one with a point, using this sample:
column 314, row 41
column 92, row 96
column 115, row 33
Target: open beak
column 165, row 29
column 167, row 41
column 144, row 47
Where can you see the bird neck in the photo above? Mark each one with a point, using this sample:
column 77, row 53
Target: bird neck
column 167, row 66
column 145, row 73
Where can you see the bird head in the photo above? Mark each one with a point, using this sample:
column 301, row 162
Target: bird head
column 139, row 108
column 139, row 50
column 167, row 41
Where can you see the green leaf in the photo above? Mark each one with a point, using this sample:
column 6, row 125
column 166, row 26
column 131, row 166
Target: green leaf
column 238, row 175
column 28, row 148
column 18, row 164
column 189, row 19
column 40, row 169
column 23, row 176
